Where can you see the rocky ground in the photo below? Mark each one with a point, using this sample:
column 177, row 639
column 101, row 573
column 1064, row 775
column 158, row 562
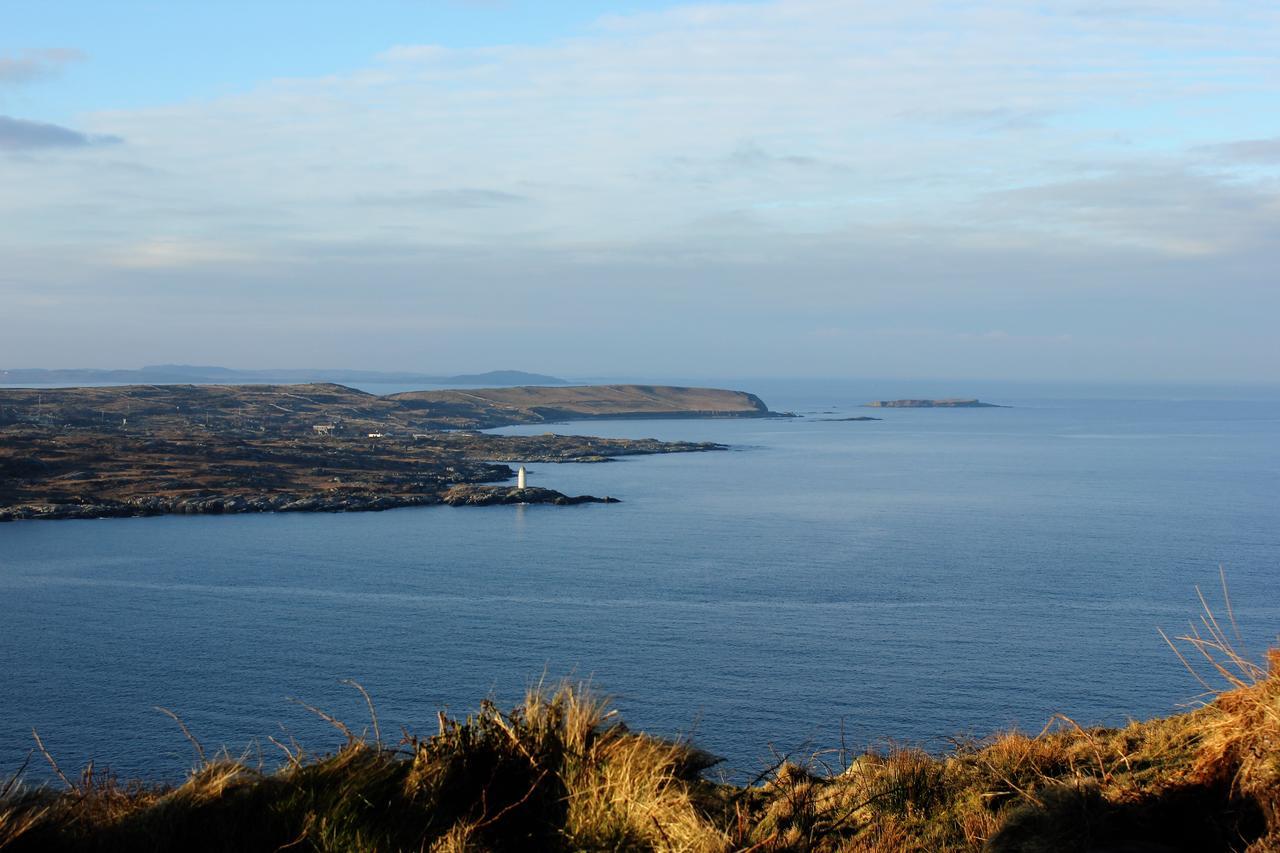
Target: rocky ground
column 84, row 473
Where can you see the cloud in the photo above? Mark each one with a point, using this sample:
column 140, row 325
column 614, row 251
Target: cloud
column 1173, row 209
column 1259, row 151
column 34, row 64
column 464, row 198
column 750, row 155
column 20, row 135
column 807, row 115
column 995, row 119
column 417, row 53
column 746, row 162
column 173, row 253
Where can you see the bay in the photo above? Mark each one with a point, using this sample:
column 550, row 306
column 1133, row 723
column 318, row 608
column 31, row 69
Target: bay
column 937, row 573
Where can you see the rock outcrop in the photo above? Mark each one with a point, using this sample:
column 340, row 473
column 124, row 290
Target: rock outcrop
column 490, row 495
column 82, row 473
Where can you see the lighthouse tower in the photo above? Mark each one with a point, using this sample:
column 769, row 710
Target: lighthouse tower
column 520, row 478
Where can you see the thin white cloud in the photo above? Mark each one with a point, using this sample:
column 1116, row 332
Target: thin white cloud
column 415, row 53
column 173, row 253
column 457, row 198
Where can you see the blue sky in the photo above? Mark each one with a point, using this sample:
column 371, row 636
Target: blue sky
column 1071, row 189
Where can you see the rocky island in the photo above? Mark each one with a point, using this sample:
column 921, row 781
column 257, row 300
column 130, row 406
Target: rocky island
column 949, row 403
column 860, row 418
column 157, row 449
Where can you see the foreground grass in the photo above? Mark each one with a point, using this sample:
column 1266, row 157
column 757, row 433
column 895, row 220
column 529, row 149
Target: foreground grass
column 560, row 772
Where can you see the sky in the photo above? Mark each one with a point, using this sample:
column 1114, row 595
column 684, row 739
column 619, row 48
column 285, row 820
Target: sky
column 1069, row 189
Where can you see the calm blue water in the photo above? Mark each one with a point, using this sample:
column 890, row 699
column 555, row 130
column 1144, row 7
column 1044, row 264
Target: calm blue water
column 937, row 573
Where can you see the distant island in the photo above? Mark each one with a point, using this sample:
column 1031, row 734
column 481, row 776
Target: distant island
column 166, row 374
column 949, row 403
column 157, row 449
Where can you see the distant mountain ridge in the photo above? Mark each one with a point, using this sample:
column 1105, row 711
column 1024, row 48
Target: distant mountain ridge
column 158, row 374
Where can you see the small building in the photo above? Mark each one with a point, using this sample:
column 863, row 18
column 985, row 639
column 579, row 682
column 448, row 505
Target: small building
column 325, row 429
column 520, row 478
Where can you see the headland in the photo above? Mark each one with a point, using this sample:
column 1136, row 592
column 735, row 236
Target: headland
column 158, row 449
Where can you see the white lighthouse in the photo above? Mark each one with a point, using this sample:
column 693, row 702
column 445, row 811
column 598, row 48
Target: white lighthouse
column 520, row 478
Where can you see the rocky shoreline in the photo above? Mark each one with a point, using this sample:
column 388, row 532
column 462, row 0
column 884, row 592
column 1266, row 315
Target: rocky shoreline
column 213, row 505
column 494, row 495
column 464, row 495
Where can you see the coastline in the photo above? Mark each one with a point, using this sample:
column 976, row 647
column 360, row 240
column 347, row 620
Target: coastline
column 229, row 450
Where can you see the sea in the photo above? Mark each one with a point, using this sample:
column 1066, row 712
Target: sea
column 821, row 587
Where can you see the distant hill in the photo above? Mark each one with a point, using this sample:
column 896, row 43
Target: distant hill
column 501, row 377
column 580, row 402
column 166, row 374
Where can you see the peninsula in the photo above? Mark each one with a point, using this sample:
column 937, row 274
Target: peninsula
column 156, row 449
column 949, row 403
